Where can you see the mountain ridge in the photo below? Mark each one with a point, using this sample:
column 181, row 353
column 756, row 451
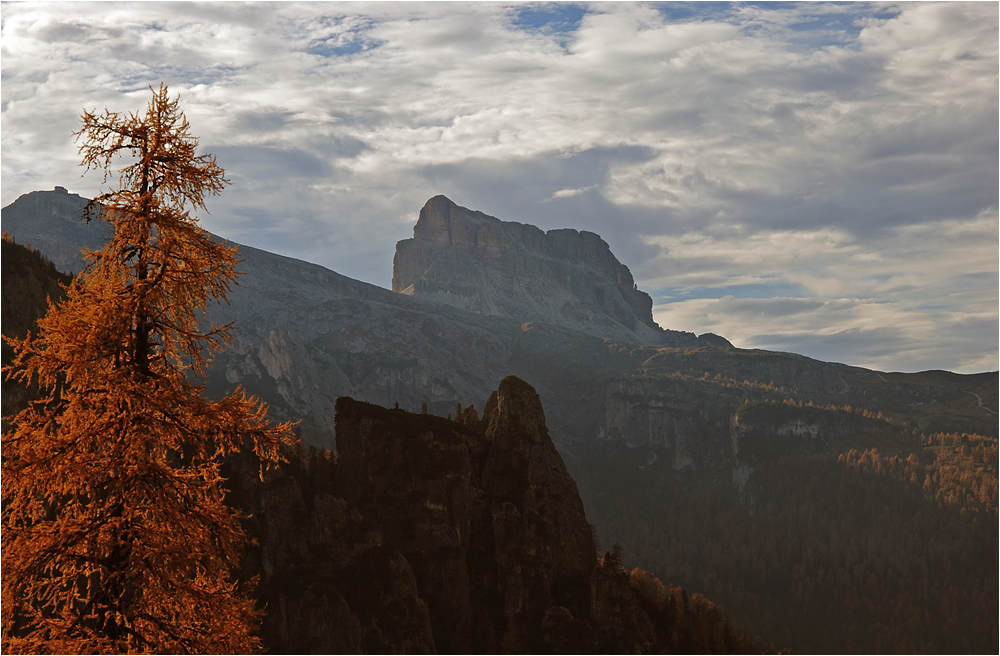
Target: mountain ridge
column 307, row 335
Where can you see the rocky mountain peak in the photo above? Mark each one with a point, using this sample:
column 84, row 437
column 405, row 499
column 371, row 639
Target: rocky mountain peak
column 486, row 515
column 443, row 222
column 477, row 262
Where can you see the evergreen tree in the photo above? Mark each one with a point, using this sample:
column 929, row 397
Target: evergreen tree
column 116, row 534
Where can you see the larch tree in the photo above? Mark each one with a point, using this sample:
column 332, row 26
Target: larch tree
column 116, row 537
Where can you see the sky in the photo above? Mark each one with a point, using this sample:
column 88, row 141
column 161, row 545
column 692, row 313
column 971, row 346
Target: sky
column 815, row 178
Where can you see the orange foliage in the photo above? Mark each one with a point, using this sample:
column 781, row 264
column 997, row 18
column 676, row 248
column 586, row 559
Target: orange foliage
column 961, row 473
column 116, row 536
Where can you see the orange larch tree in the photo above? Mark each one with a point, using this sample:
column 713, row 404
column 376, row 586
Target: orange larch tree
column 116, row 537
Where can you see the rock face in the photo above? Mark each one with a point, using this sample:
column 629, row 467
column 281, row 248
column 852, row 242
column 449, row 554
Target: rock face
column 542, row 542
column 683, row 420
column 679, row 407
column 762, row 431
column 427, row 535
column 487, row 515
column 479, row 263
column 330, row 582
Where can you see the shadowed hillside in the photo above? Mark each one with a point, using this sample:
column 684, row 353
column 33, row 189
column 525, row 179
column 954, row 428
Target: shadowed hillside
column 30, row 282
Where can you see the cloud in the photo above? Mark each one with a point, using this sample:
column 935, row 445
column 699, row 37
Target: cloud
column 806, row 151
column 917, row 295
column 569, row 193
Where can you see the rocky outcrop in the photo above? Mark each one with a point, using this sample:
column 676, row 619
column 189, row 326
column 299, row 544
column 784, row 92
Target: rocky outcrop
column 412, row 476
column 469, row 260
column 328, row 578
column 543, row 545
column 429, row 535
column 486, row 514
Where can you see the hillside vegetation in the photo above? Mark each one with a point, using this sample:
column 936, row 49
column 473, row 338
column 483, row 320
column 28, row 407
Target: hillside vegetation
column 868, row 536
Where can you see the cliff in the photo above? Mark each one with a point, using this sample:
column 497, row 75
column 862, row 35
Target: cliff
column 427, row 535
column 479, row 263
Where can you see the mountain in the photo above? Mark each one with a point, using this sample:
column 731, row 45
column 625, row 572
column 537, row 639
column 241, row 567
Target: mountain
column 479, row 263
column 830, row 507
column 31, row 280
column 307, row 335
column 51, row 222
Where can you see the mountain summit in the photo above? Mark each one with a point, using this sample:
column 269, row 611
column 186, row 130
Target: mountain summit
column 571, row 278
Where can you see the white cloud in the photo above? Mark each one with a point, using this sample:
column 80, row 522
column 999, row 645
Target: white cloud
column 569, row 193
column 816, row 150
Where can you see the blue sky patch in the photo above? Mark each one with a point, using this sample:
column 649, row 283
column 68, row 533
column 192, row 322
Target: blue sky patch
column 687, row 11
column 331, row 48
column 549, row 17
column 815, row 27
column 760, row 290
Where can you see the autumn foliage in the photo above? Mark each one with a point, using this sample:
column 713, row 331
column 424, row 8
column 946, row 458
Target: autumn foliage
column 116, row 534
